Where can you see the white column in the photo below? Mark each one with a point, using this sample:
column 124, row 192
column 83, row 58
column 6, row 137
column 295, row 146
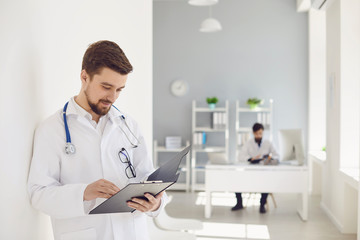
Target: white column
column 350, row 101
column 317, row 76
column 317, row 92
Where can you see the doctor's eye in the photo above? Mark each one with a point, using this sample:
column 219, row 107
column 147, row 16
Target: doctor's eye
column 107, row 88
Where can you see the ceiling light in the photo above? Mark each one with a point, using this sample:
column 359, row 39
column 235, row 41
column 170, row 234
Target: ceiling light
column 210, row 25
column 202, row 2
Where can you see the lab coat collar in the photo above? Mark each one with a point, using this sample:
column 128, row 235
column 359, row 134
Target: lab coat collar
column 72, row 110
column 79, row 110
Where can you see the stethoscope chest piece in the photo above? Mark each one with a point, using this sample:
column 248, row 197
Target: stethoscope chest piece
column 70, row 148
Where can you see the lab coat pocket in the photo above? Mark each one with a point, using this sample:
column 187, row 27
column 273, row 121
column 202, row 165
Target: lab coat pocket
column 87, row 234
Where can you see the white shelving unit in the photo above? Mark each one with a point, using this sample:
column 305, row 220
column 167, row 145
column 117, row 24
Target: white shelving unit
column 264, row 116
column 183, row 168
column 195, row 167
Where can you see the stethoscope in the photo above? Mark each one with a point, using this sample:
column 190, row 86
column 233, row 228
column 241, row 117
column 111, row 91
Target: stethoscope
column 70, row 147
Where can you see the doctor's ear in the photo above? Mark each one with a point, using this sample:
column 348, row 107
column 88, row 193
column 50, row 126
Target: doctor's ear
column 84, row 76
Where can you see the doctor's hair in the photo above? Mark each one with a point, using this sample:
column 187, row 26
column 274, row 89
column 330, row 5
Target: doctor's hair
column 103, row 54
column 257, row 127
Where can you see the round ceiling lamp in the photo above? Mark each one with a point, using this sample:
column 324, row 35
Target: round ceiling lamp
column 210, row 25
column 202, row 2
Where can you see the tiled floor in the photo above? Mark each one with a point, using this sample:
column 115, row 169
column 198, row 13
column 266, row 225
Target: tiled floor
column 281, row 223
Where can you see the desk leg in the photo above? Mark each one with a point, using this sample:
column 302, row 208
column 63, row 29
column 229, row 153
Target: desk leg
column 208, row 204
column 305, row 203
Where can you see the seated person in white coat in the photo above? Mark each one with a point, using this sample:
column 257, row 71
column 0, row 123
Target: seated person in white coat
column 89, row 150
column 253, row 150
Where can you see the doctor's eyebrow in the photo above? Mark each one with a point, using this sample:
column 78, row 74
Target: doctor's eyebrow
column 110, row 85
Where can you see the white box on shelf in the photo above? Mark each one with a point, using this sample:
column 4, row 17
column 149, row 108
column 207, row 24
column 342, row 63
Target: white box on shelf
column 216, row 120
column 264, row 121
column 268, row 119
column 223, row 124
column 173, row 142
column 195, row 141
column 199, row 138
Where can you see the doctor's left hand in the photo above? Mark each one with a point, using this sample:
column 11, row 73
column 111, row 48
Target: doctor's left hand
column 150, row 205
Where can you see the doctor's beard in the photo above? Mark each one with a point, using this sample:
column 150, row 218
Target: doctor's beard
column 258, row 140
column 95, row 107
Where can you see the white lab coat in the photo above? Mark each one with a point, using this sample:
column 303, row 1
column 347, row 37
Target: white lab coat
column 57, row 181
column 251, row 149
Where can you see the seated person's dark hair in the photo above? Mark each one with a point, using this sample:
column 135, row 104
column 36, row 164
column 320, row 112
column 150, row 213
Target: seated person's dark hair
column 257, row 127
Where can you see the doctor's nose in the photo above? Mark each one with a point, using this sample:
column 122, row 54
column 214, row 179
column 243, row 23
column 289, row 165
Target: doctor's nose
column 112, row 96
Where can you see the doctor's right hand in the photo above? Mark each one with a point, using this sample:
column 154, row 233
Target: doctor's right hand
column 100, row 189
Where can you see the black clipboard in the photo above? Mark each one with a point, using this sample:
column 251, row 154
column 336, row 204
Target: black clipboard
column 118, row 202
column 161, row 179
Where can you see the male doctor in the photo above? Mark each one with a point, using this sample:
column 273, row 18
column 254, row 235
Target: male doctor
column 68, row 177
column 253, row 150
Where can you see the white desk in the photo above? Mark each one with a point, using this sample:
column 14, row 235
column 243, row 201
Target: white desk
column 273, row 179
column 317, row 161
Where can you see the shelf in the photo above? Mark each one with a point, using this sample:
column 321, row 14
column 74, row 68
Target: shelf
column 181, row 169
column 351, row 176
column 208, row 149
column 184, row 167
column 244, row 129
column 199, row 187
column 205, row 129
column 200, row 168
column 213, row 130
column 164, row 149
column 209, row 110
column 319, row 156
column 249, row 129
column 268, row 110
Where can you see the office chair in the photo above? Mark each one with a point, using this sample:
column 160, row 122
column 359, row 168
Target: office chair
column 159, row 234
column 165, row 222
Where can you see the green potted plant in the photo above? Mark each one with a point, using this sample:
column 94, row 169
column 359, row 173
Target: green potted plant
column 254, row 102
column 212, row 102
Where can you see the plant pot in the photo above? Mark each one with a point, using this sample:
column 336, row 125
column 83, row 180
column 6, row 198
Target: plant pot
column 253, row 106
column 212, row 106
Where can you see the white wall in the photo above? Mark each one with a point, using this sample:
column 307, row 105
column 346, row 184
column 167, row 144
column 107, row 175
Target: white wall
column 41, row 46
column 261, row 52
column 331, row 200
column 343, row 37
column 350, row 82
